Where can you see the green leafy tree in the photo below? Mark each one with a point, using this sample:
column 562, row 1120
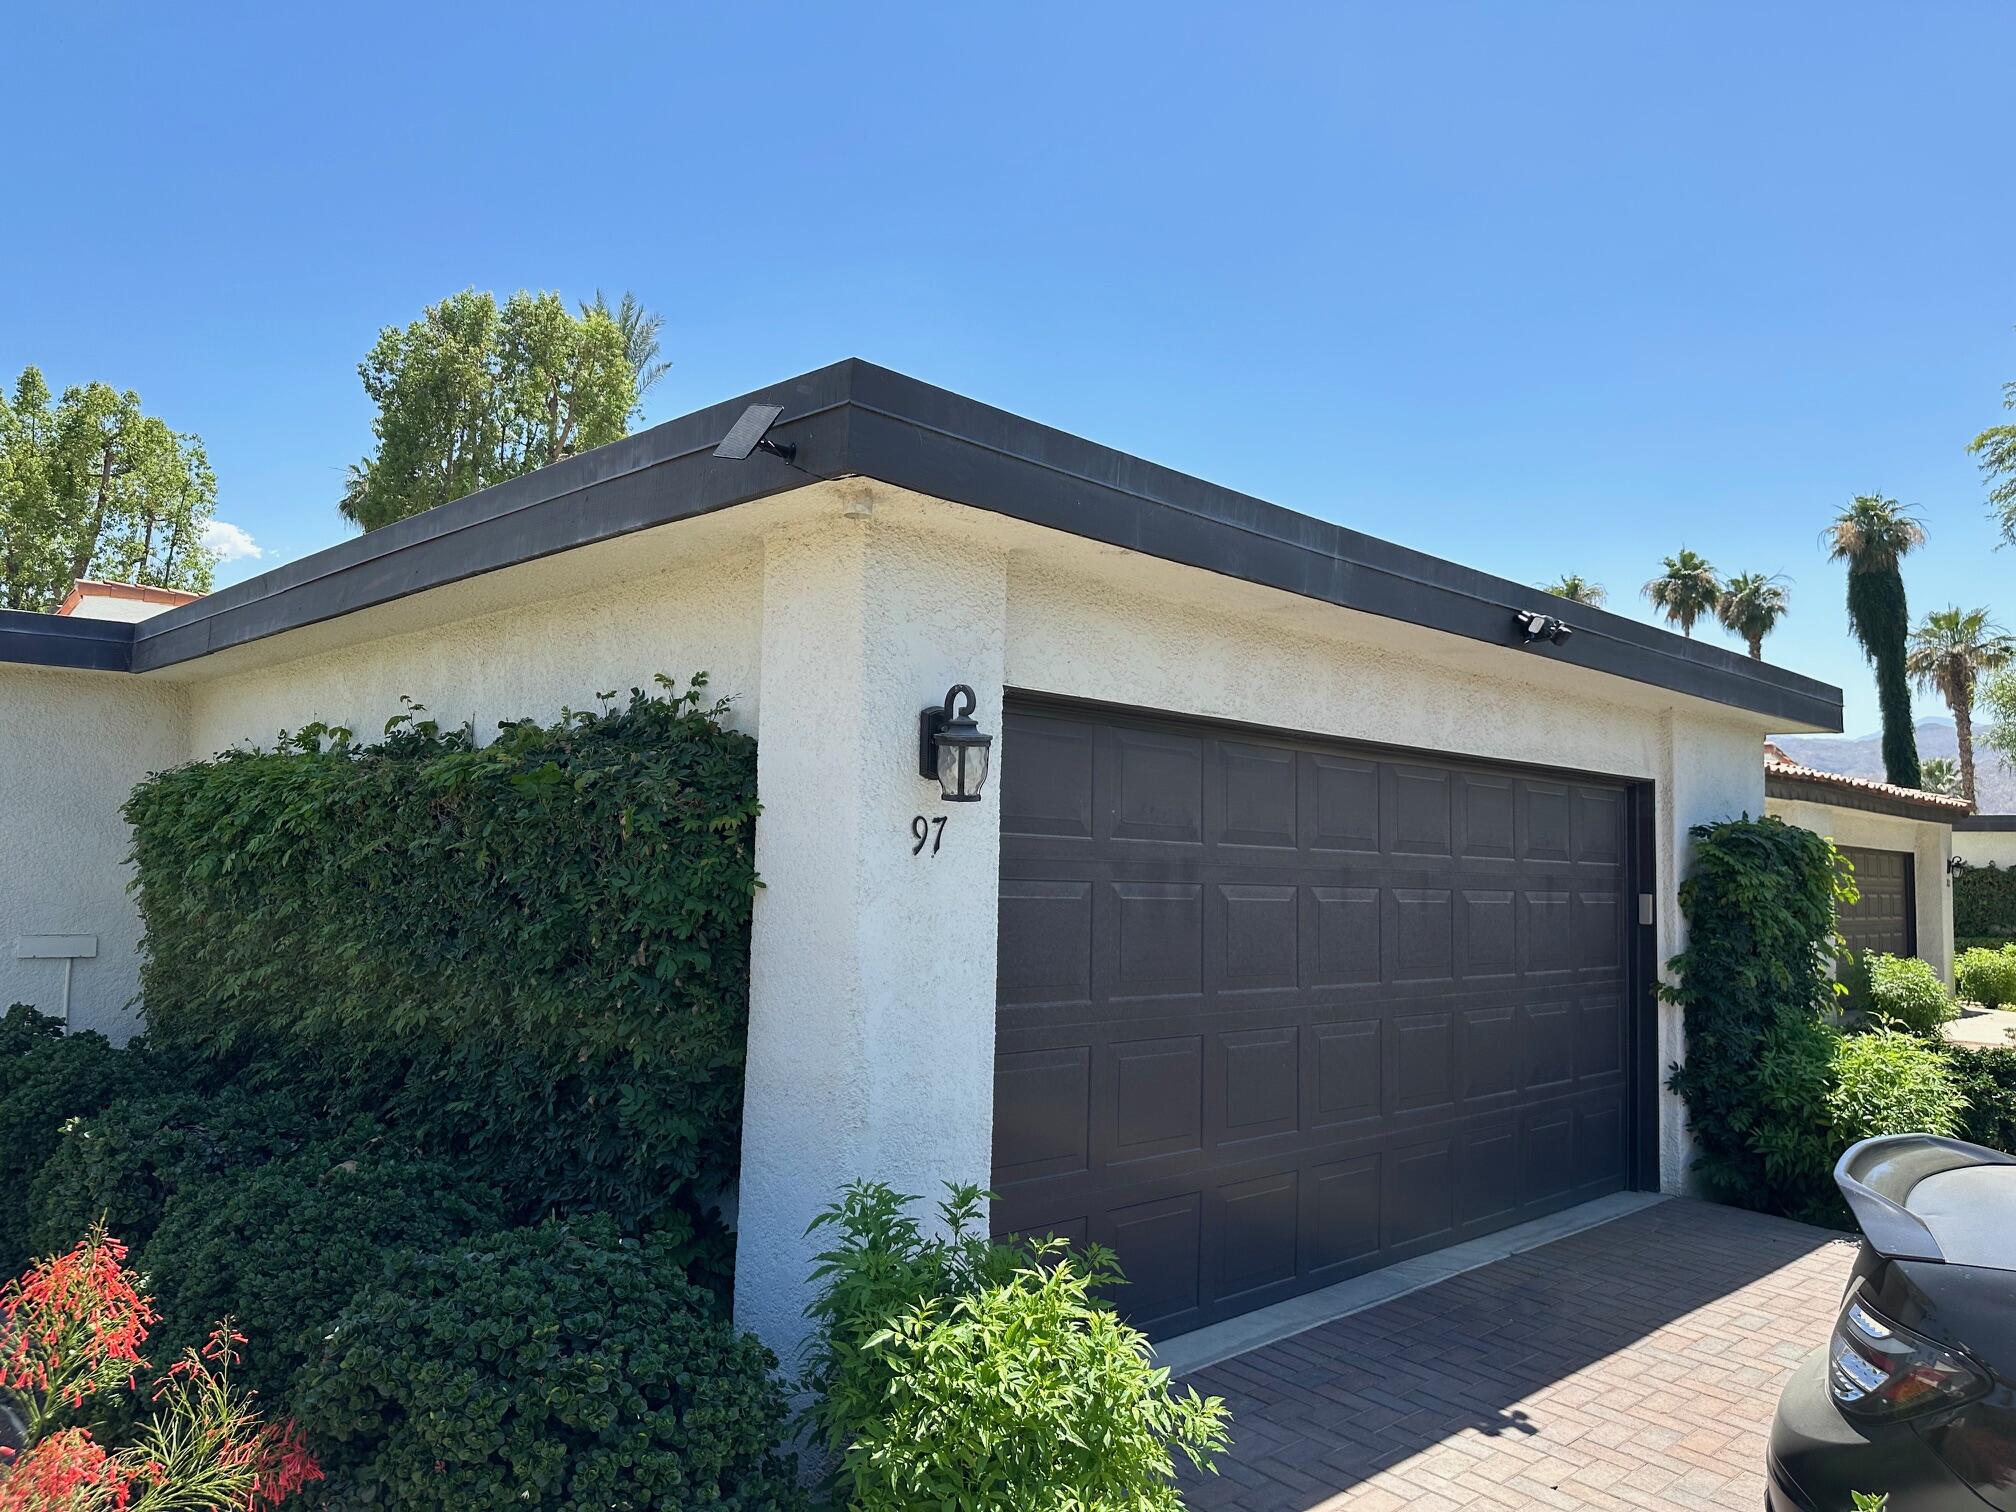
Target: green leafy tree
column 1873, row 535
column 474, row 393
column 1577, row 589
column 1949, row 652
column 1685, row 589
column 91, row 486
column 1751, row 605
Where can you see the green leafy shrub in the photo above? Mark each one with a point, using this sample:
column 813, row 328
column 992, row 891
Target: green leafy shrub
column 1986, row 1079
column 47, row 1078
column 1906, row 991
column 552, row 1367
column 1028, row 1393
column 1984, row 902
column 124, row 1163
column 1981, row 942
column 1987, row 977
column 286, row 1247
column 532, row 956
column 951, row 1370
column 1890, row 1082
column 1755, row 983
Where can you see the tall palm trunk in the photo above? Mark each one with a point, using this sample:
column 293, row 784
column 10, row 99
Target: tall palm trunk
column 1882, row 621
column 1756, row 648
column 1963, row 727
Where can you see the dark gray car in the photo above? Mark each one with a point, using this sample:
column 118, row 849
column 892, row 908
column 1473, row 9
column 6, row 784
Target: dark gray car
column 1915, row 1395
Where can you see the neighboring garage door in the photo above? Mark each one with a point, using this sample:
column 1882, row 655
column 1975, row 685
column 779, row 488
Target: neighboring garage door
column 1273, row 1012
column 1885, row 916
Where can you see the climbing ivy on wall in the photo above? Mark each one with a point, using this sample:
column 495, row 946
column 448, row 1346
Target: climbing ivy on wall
column 531, row 955
column 1755, row 982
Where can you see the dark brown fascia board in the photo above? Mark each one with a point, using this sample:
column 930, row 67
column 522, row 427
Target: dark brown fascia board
column 856, row 419
column 1804, row 790
column 1986, row 823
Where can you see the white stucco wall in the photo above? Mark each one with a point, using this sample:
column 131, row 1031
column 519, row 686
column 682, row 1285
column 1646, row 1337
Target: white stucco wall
column 1986, row 847
column 1929, row 842
column 72, row 745
column 531, row 659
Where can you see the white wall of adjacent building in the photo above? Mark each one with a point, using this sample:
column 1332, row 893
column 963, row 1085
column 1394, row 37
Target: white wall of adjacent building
column 1929, row 842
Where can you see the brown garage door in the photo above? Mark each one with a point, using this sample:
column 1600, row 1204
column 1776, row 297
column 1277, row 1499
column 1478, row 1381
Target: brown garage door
column 1273, row 1012
column 1884, row 917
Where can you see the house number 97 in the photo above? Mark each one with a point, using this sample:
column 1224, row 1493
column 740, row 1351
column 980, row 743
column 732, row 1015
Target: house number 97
column 925, row 832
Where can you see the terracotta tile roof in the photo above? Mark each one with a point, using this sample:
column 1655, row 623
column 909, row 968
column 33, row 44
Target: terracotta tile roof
column 1778, row 764
column 85, row 588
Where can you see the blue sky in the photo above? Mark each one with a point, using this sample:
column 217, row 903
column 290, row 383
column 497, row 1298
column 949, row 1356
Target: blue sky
column 1535, row 286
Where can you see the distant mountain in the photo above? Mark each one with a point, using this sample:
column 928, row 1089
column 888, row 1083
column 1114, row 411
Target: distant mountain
column 1862, row 756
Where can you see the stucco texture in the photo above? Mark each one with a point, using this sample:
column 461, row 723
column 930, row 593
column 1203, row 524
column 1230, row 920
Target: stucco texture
column 1986, row 847
column 1929, row 842
column 72, row 745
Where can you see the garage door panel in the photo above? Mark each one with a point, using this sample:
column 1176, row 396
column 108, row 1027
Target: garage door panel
column 1046, row 784
column 1488, row 1175
column 1046, row 943
column 1342, row 926
column 1259, row 935
column 1421, row 934
column 1417, row 1200
column 1487, row 937
column 1258, row 1076
column 1153, row 938
column 1278, row 1013
column 1486, row 822
column 1340, row 803
column 1155, row 1098
column 1156, row 786
column 1258, row 797
column 1042, row 1114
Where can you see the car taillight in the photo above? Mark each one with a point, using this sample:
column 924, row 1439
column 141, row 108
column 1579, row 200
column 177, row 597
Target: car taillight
column 1880, row 1369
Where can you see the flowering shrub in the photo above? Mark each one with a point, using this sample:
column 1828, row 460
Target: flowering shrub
column 71, row 1329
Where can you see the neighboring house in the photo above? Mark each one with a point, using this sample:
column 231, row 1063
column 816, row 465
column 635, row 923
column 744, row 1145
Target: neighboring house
column 1986, row 840
column 1309, row 920
column 1900, row 841
column 89, row 598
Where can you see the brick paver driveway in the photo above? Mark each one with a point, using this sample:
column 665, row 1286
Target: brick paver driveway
column 1632, row 1365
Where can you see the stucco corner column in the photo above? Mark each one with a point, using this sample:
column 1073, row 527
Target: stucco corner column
column 871, row 1011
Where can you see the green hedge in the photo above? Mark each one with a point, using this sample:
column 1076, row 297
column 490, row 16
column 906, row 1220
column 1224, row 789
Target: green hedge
column 530, row 958
column 1984, row 903
column 555, row 1367
column 1754, row 983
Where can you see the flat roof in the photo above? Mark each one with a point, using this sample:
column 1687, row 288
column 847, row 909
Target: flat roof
column 854, row 419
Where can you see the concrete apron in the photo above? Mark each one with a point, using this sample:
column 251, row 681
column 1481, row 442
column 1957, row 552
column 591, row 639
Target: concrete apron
column 1267, row 1325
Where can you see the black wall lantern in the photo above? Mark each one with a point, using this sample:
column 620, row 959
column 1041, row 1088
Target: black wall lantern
column 950, row 748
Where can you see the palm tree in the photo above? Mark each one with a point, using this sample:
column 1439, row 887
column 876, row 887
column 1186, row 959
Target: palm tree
column 1872, row 535
column 1577, row 589
column 1751, row 606
column 1941, row 775
column 1949, row 652
column 1686, row 590
column 640, row 328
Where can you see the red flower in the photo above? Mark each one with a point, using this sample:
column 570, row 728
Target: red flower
column 66, row 1472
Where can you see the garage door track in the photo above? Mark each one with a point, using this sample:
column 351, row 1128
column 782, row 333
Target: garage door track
column 1635, row 1364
